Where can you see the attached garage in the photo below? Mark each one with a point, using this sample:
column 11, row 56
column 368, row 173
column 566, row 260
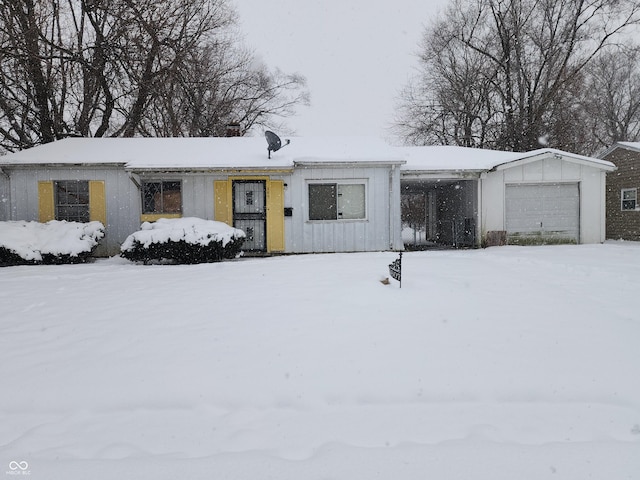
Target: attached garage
column 489, row 198
column 542, row 213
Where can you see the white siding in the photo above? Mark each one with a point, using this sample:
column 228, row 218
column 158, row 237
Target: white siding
column 379, row 231
column 122, row 198
column 591, row 182
column 5, row 197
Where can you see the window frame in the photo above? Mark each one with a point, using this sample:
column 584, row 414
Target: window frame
column 162, row 210
column 337, row 184
column 83, row 217
column 623, row 199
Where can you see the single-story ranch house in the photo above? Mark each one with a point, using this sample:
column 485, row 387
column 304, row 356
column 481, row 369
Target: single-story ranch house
column 315, row 194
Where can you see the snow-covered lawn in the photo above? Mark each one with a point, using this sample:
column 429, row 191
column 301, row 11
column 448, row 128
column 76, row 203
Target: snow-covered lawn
column 510, row 363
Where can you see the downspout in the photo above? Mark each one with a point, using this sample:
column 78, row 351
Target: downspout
column 395, row 211
column 479, row 226
column 135, row 179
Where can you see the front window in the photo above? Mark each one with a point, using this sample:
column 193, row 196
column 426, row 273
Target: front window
column 629, row 198
column 72, row 200
column 337, row 201
column 161, row 197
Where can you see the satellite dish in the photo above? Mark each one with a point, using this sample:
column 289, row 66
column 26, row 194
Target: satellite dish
column 274, row 142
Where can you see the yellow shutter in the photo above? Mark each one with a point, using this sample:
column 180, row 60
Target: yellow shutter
column 275, row 216
column 97, row 202
column 46, row 206
column 222, row 201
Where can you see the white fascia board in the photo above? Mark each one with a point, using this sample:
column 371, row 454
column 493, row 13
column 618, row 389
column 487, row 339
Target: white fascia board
column 440, row 174
column 347, row 163
column 201, row 170
column 595, row 163
column 35, row 166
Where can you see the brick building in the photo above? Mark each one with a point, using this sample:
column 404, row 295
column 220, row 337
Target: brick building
column 623, row 209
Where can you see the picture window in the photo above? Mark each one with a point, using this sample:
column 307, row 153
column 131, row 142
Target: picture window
column 337, row 201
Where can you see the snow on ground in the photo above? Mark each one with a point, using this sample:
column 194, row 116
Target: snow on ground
column 498, row 364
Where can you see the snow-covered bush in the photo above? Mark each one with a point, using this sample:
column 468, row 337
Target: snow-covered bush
column 183, row 240
column 53, row 242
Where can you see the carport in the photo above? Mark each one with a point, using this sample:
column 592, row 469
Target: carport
column 439, row 213
column 466, row 197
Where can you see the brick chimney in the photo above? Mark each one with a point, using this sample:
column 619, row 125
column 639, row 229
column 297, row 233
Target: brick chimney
column 233, row 130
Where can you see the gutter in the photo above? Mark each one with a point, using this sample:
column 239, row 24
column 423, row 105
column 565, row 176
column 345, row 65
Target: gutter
column 347, row 163
column 197, row 171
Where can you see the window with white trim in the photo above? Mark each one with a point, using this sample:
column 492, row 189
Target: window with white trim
column 161, row 197
column 337, row 201
column 72, row 200
column 629, row 198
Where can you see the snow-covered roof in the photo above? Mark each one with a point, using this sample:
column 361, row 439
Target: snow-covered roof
column 627, row 145
column 461, row 159
column 251, row 152
column 204, row 153
column 635, row 145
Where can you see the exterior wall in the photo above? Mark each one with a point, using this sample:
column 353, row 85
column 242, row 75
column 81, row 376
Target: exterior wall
column 621, row 224
column 275, row 205
column 379, row 231
column 5, row 197
column 122, row 198
column 591, row 182
column 209, row 196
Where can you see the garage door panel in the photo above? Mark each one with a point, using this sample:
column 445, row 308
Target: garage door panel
column 542, row 213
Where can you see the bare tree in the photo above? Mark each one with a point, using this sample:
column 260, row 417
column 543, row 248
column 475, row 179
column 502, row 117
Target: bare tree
column 219, row 85
column 127, row 68
column 451, row 102
column 612, row 97
column 528, row 59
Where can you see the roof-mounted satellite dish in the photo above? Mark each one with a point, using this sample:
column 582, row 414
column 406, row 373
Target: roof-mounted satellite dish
column 274, row 142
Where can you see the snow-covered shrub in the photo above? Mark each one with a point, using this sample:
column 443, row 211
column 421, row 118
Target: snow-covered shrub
column 183, row 240
column 54, row 242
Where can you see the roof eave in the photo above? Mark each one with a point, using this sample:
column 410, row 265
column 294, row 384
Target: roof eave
column 608, row 166
column 208, row 169
column 615, row 146
column 453, row 173
column 343, row 163
column 61, row 165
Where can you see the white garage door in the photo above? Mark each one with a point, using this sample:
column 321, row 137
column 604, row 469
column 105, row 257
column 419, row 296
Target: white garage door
column 543, row 213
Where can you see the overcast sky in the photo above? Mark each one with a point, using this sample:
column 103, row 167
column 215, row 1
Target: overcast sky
column 356, row 55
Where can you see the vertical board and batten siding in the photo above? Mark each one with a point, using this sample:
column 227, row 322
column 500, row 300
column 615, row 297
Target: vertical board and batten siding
column 591, row 181
column 376, row 232
column 195, row 191
column 115, row 199
column 276, row 200
column 5, row 197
